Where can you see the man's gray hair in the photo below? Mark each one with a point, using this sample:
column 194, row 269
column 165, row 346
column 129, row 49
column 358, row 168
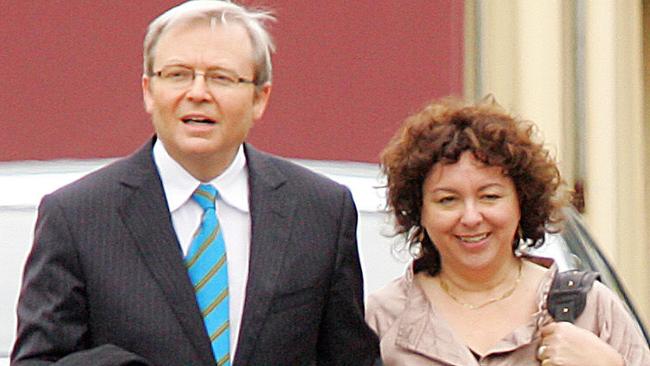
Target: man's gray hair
column 223, row 11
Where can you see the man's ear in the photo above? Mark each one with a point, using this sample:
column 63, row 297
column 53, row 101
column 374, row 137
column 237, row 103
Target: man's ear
column 146, row 93
column 261, row 100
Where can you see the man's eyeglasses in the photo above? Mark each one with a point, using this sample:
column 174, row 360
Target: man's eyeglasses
column 181, row 77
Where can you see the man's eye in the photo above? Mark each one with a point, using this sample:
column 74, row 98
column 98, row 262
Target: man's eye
column 177, row 74
column 222, row 78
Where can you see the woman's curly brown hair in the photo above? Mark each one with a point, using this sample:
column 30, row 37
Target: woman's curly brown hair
column 439, row 134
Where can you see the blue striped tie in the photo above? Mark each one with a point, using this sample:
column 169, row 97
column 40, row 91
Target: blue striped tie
column 208, row 270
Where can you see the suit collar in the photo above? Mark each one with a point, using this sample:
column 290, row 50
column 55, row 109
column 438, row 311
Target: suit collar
column 263, row 170
column 146, row 215
column 272, row 213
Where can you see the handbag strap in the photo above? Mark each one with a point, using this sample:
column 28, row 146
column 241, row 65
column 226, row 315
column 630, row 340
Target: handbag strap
column 568, row 294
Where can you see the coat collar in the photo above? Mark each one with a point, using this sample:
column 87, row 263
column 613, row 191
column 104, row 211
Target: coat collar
column 421, row 330
column 272, row 206
column 146, row 215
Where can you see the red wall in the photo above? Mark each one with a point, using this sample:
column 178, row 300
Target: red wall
column 345, row 75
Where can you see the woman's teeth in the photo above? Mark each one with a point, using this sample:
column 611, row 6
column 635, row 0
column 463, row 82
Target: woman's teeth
column 473, row 239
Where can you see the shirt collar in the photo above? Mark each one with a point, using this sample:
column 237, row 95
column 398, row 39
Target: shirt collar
column 179, row 184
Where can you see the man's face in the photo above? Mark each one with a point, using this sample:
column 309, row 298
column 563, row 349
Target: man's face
column 202, row 123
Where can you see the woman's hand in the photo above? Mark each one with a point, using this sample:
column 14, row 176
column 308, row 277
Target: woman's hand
column 564, row 344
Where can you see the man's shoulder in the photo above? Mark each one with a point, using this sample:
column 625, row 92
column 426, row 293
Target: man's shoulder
column 276, row 167
column 106, row 179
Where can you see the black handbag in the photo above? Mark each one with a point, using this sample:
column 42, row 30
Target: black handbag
column 568, row 294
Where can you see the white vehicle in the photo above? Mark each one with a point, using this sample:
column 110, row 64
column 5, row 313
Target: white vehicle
column 383, row 256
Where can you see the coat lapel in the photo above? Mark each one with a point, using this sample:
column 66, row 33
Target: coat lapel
column 272, row 208
column 146, row 215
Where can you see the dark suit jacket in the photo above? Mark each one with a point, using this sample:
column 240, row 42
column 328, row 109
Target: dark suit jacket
column 105, row 283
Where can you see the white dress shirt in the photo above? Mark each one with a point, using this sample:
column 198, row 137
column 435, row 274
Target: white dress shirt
column 233, row 214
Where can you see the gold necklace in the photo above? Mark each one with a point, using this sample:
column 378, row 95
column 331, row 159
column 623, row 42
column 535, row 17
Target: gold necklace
column 509, row 292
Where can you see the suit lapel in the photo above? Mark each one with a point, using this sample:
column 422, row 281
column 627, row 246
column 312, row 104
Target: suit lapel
column 146, row 215
column 272, row 208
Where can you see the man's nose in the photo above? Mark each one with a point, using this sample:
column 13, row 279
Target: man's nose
column 199, row 90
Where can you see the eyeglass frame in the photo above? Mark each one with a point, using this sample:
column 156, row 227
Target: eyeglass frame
column 237, row 80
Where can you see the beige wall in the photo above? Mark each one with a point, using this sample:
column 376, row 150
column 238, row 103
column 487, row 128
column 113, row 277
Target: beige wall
column 586, row 95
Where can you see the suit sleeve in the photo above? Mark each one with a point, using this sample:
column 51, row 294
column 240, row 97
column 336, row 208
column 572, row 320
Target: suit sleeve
column 52, row 307
column 345, row 338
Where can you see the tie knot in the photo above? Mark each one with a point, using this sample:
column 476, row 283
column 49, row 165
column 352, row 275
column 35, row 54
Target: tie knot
column 205, row 196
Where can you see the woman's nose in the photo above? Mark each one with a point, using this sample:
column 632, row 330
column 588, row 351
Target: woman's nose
column 471, row 215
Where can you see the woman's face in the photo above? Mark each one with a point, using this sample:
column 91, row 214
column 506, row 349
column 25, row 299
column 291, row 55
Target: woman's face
column 471, row 212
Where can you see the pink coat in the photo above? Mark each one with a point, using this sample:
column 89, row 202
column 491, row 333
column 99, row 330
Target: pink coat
column 412, row 334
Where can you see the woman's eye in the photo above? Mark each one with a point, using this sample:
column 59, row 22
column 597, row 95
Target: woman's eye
column 446, row 200
column 491, row 197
